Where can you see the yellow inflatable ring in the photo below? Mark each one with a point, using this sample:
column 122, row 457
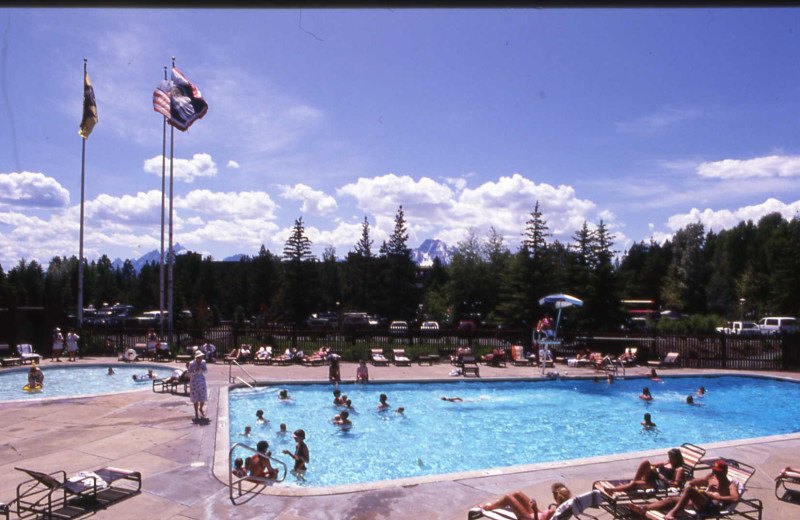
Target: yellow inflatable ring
column 37, row 388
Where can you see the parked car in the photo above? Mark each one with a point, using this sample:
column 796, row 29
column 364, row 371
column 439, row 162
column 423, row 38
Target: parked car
column 429, row 327
column 778, row 325
column 398, row 327
column 740, row 328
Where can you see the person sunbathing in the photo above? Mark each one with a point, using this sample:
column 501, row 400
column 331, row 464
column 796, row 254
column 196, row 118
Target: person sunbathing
column 659, row 475
column 789, row 472
column 718, row 493
column 526, row 508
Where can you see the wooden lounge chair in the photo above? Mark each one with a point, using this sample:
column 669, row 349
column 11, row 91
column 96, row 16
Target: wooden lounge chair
column 787, row 487
column 400, row 358
column 54, row 495
column 377, row 358
column 691, row 458
column 574, row 507
column 27, row 355
column 670, row 360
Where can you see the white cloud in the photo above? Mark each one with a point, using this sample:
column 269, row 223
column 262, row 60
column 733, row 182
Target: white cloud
column 186, row 170
column 726, row 219
column 252, row 204
column 433, row 207
column 663, row 118
column 233, row 164
column 760, row 167
column 31, row 189
column 314, row 201
column 142, row 209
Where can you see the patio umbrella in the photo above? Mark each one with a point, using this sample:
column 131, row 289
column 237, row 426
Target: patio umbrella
column 559, row 301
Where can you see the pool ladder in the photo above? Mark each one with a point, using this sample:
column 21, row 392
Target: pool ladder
column 234, row 379
column 253, row 484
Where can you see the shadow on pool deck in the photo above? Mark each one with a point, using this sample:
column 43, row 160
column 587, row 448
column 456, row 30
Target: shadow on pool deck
column 155, row 434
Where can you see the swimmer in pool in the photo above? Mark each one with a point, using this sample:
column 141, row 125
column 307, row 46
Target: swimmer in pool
column 452, row 399
column 400, row 410
column 646, row 395
column 648, row 422
column 690, row 401
column 383, row 405
column 343, row 419
column 35, row 376
column 110, row 371
column 654, row 375
column 701, row 391
column 337, row 398
column 246, row 431
column 260, row 417
column 284, row 395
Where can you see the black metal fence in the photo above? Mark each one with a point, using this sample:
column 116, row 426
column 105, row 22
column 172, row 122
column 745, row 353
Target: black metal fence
column 715, row 351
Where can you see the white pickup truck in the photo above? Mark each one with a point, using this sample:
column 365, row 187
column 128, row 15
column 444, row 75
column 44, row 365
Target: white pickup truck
column 740, row 328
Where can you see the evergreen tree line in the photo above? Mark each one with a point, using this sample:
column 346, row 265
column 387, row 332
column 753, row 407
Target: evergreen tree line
column 752, row 269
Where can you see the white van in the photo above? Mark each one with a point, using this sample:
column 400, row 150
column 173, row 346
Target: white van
column 778, row 325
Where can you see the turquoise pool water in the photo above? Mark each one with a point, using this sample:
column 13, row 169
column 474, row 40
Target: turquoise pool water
column 67, row 380
column 505, row 423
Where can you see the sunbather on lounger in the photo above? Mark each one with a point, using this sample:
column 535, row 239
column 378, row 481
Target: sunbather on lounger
column 526, row 508
column 718, row 493
column 661, row 474
column 789, row 472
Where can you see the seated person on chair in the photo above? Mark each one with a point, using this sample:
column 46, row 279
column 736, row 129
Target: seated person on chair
column 259, row 466
column 526, row 508
column 719, row 492
column 659, row 475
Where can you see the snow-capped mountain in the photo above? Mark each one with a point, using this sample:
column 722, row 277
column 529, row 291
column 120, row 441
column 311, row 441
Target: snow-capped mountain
column 151, row 256
column 429, row 249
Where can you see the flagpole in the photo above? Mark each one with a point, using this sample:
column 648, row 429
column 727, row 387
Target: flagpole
column 171, row 251
column 80, row 247
column 163, row 209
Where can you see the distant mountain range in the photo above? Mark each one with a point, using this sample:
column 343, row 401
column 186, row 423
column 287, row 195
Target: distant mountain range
column 423, row 255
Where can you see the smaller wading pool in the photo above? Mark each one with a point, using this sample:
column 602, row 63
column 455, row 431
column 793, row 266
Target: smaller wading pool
column 67, row 380
column 504, row 423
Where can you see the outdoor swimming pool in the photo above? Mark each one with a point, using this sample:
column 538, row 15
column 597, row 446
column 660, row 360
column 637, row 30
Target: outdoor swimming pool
column 77, row 380
column 505, row 423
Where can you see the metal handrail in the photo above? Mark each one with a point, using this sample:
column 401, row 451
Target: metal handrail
column 232, row 379
column 249, row 478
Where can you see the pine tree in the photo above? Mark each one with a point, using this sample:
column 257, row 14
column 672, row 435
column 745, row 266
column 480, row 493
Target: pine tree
column 364, row 244
column 535, row 241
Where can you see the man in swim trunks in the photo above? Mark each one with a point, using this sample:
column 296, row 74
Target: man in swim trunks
column 718, row 493
column 35, row 376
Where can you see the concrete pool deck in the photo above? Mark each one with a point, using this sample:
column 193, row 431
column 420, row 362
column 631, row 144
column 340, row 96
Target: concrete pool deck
column 154, row 433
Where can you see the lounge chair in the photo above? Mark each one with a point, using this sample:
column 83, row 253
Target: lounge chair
column 787, row 487
column 691, row 457
column 518, row 356
column 400, row 357
column 56, row 496
column 469, row 366
column 574, row 507
column 628, row 357
column 377, row 358
column 670, row 360
column 170, row 385
column 27, row 355
column 738, row 473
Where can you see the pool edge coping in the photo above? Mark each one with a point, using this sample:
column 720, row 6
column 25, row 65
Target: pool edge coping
column 220, row 469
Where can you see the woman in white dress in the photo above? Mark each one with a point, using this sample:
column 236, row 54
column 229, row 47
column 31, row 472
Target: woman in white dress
column 198, row 393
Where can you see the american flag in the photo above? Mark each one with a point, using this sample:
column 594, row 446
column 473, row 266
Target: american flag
column 179, row 101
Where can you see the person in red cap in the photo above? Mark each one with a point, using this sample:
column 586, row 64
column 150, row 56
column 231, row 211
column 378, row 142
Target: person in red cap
column 717, row 493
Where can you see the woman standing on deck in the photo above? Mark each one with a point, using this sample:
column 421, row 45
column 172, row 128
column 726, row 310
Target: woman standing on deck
column 198, row 393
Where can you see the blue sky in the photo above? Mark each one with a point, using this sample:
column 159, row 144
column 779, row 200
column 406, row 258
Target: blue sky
column 649, row 119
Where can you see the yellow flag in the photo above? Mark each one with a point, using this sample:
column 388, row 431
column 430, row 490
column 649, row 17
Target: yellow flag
column 89, row 108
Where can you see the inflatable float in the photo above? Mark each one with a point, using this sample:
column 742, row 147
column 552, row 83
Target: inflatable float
column 37, row 388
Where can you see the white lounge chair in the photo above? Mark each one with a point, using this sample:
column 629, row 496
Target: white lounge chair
column 575, row 506
column 27, row 355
